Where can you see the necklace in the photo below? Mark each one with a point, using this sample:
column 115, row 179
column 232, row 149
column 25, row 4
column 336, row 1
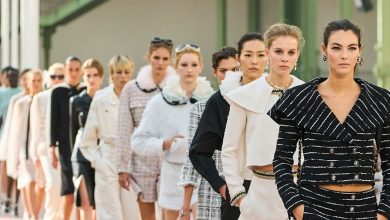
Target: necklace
column 283, row 87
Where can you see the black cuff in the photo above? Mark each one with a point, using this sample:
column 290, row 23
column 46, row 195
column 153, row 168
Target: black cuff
column 218, row 183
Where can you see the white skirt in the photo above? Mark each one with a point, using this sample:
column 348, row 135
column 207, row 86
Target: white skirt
column 262, row 201
column 171, row 194
column 26, row 173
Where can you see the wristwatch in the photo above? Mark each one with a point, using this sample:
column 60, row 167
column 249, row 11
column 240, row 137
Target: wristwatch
column 183, row 213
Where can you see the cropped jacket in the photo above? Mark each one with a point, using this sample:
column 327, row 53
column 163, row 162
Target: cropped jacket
column 334, row 153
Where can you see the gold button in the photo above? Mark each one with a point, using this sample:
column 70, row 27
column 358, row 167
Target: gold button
column 356, row 162
column 331, row 150
column 331, row 164
column 352, row 209
column 333, row 177
column 356, row 177
column 354, row 150
column 353, row 197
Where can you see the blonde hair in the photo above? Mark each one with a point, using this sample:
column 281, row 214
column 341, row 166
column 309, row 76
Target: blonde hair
column 30, row 74
column 280, row 29
column 55, row 66
column 93, row 63
column 188, row 50
column 121, row 62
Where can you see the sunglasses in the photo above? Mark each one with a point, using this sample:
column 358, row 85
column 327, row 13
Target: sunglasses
column 179, row 48
column 158, row 40
column 60, row 77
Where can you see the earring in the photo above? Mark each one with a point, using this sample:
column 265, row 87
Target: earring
column 324, row 58
column 359, row 60
column 295, row 66
column 238, row 66
column 266, row 66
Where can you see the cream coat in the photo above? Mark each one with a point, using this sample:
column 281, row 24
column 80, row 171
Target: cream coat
column 18, row 136
column 250, row 135
column 40, row 124
column 4, row 143
column 39, row 144
column 111, row 202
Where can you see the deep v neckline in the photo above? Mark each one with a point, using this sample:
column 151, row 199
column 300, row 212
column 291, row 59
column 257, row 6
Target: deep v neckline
column 330, row 111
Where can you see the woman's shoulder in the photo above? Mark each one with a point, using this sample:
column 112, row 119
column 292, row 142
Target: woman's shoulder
column 374, row 90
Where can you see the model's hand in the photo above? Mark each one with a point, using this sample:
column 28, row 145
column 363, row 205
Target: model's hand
column 380, row 217
column 298, row 212
column 186, row 213
column 168, row 142
column 53, row 157
column 124, row 180
column 222, row 191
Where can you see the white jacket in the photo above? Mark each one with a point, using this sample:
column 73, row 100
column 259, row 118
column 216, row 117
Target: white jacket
column 101, row 125
column 18, row 137
column 250, row 135
column 4, row 143
column 40, row 125
column 162, row 120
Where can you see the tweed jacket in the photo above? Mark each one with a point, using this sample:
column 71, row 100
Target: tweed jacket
column 132, row 102
column 210, row 128
column 334, row 152
column 250, row 135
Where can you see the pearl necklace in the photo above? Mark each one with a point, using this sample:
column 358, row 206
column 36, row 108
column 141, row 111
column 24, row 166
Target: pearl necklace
column 278, row 90
column 283, row 87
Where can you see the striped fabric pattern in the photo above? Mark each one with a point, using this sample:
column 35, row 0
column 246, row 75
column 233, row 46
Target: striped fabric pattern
column 334, row 152
column 323, row 204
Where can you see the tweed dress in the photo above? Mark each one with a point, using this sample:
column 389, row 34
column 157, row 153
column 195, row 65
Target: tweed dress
column 144, row 170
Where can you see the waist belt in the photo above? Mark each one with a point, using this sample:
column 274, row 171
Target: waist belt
column 267, row 174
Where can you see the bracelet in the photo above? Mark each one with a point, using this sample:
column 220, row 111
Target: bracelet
column 183, row 213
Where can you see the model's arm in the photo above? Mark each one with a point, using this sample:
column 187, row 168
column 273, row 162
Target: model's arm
column 146, row 139
column 234, row 132
column 88, row 144
column 207, row 139
column 125, row 130
column 384, row 204
column 73, row 122
column 283, row 160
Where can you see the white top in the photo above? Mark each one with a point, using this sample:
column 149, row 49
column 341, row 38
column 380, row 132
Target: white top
column 250, row 133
